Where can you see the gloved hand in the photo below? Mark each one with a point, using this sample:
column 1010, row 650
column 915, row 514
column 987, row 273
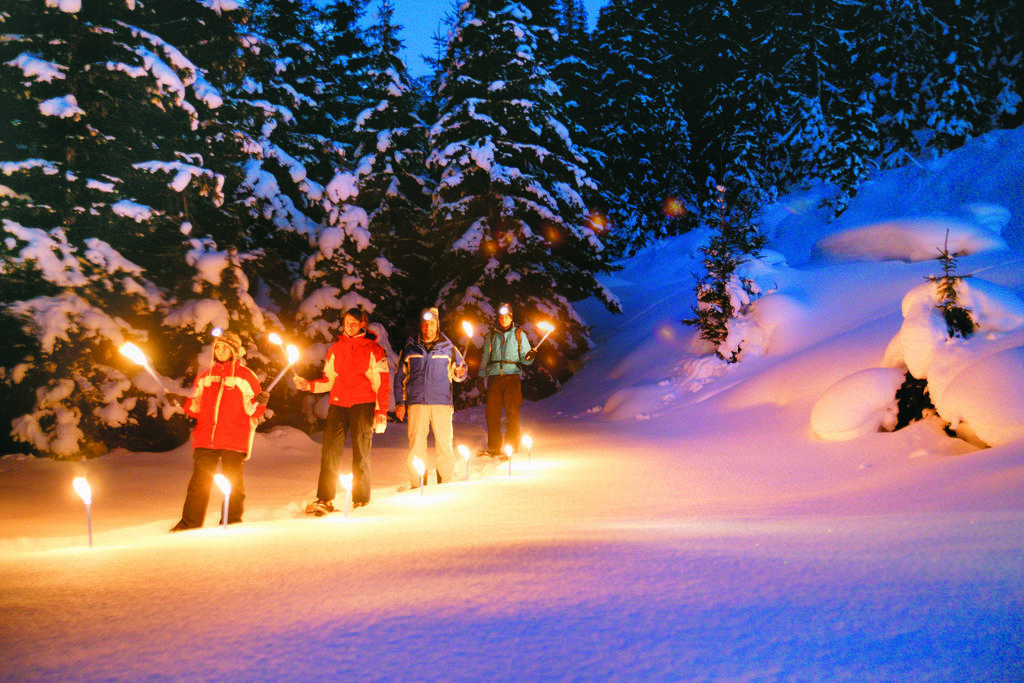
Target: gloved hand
column 460, row 371
column 263, row 397
column 177, row 399
column 400, row 412
column 530, row 355
column 380, row 423
column 301, row 383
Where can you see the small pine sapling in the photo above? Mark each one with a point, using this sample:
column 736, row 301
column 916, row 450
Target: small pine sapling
column 736, row 240
column 959, row 322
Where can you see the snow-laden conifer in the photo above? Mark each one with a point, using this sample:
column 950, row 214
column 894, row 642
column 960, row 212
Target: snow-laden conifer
column 509, row 213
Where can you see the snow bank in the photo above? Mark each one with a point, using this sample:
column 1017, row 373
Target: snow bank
column 908, row 239
column 974, row 383
column 858, row 404
column 989, row 397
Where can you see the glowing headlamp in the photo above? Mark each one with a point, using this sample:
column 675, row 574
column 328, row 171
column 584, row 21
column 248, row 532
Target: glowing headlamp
column 504, row 309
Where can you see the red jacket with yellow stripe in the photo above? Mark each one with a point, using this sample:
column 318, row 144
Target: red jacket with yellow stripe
column 223, row 403
column 356, row 371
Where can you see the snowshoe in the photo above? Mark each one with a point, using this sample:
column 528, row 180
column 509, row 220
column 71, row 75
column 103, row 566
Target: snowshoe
column 319, row 508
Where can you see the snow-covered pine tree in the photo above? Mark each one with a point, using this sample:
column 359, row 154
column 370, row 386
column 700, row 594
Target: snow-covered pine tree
column 343, row 59
column 648, row 186
column 390, row 160
column 732, row 101
column 721, row 292
column 508, row 208
column 972, row 79
column 574, row 69
column 118, row 217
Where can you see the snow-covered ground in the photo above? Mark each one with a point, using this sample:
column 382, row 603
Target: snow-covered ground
column 677, row 519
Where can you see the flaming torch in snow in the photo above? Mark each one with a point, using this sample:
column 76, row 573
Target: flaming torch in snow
column 467, row 327
column 421, row 470
column 225, row 487
column 508, row 454
column 346, row 483
column 464, row 452
column 81, row 486
column 135, row 354
column 527, row 443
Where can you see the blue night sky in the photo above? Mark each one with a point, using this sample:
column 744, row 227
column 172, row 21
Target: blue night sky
column 421, row 19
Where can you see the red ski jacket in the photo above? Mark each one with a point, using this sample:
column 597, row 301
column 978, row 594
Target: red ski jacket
column 223, row 403
column 356, row 371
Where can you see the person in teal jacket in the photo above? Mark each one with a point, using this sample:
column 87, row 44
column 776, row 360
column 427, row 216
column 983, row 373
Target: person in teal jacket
column 506, row 351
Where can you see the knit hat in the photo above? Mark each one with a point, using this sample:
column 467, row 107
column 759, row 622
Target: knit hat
column 233, row 341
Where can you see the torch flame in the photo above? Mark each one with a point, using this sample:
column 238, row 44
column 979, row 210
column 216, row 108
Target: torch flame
column 275, row 339
column 467, row 327
column 81, row 487
column 419, row 466
column 293, row 353
column 346, row 481
column 527, row 441
column 463, row 451
column 547, row 327
column 216, row 332
column 508, row 450
column 222, row 483
column 133, row 353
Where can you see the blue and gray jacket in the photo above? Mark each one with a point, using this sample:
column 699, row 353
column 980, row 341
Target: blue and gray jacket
column 505, row 352
column 425, row 372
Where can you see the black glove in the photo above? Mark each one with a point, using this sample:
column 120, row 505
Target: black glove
column 263, row 397
column 530, row 355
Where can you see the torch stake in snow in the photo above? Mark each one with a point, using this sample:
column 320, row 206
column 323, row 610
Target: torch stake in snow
column 135, row 354
column 464, row 452
column 346, row 483
column 508, row 453
column 467, row 327
column 421, row 470
column 225, row 487
column 81, row 486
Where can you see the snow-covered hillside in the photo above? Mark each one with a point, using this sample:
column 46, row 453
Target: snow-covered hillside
column 678, row 518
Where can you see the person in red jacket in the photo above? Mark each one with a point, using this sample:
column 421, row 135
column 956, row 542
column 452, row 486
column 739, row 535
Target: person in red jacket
column 356, row 375
column 226, row 403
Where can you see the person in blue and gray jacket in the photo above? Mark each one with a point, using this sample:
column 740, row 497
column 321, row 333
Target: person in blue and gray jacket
column 506, row 351
column 423, row 392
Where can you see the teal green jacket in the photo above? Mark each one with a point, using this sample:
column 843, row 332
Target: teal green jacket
column 505, row 352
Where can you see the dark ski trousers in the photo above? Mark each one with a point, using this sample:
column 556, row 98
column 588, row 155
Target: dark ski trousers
column 204, row 467
column 357, row 420
column 504, row 392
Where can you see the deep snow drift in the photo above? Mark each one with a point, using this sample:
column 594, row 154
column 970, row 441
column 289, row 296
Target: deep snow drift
column 677, row 517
